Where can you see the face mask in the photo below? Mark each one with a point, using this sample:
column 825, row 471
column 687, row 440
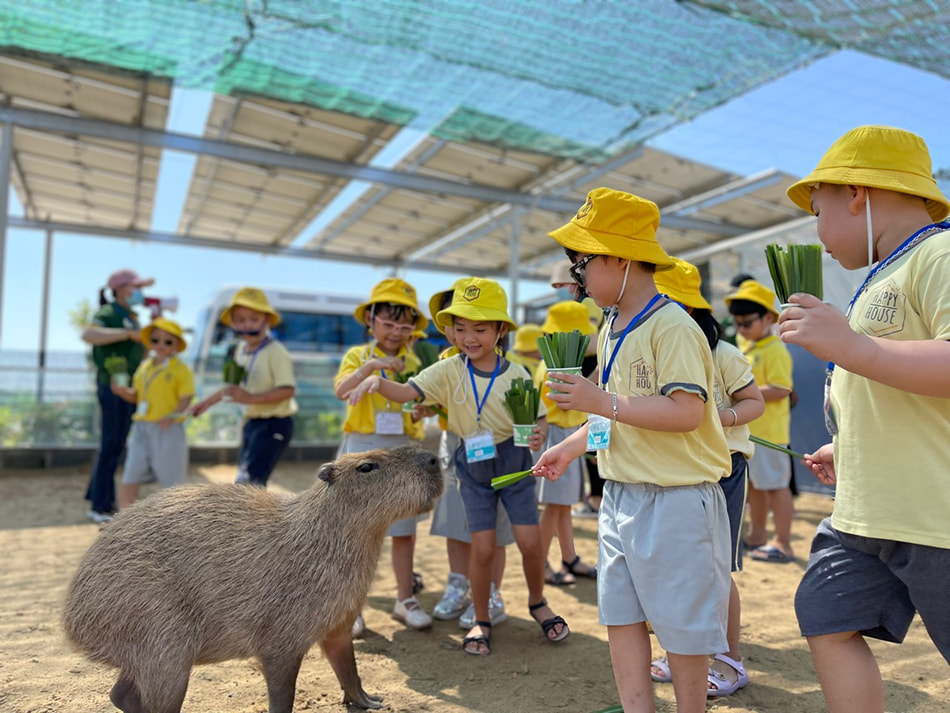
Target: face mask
column 564, row 294
column 247, row 332
column 136, row 298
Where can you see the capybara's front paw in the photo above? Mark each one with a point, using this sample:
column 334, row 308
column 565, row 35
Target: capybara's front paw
column 362, row 699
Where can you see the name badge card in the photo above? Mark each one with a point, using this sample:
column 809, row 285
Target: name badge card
column 142, row 408
column 479, row 447
column 598, row 432
column 389, row 423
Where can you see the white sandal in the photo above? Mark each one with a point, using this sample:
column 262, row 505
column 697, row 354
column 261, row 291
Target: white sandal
column 664, row 676
column 722, row 686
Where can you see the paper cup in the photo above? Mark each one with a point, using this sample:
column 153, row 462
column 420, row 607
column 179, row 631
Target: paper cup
column 523, row 432
column 409, row 406
column 120, row 379
column 554, row 372
column 786, row 305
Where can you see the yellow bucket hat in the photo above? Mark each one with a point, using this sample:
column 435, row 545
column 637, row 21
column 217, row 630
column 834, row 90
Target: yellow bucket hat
column 566, row 317
column 754, row 292
column 876, row 157
column 166, row 325
column 615, row 223
column 526, row 338
column 394, row 291
column 254, row 299
column 435, row 303
column 477, row 299
column 682, row 285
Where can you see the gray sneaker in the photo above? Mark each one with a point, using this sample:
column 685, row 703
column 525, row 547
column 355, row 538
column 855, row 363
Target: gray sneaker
column 496, row 609
column 455, row 600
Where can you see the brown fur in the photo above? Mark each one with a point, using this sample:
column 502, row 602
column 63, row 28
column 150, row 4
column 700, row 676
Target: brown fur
column 204, row 574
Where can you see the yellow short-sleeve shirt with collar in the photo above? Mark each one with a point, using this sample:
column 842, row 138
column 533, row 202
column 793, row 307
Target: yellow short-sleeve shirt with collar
column 666, row 352
column 268, row 366
column 448, row 383
column 160, row 387
column 361, row 418
column 733, row 373
column 893, row 447
column 771, row 366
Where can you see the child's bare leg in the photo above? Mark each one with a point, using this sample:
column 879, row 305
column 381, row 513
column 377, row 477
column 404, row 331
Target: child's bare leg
column 690, row 678
column 630, row 656
column 732, row 636
column 128, row 494
column 498, row 566
column 528, row 538
column 480, row 567
column 458, row 552
column 403, row 549
column 548, row 527
column 758, row 515
column 783, row 509
column 848, row 672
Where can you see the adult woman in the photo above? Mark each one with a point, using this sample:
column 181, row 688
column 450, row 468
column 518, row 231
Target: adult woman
column 114, row 332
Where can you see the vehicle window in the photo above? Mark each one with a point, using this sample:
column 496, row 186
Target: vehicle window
column 305, row 332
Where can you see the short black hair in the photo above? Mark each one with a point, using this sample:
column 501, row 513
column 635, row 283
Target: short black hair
column 740, row 278
column 741, row 307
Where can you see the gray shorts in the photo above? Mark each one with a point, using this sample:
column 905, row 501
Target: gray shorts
column 873, row 586
column 664, row 557
column 481, row 501
column 448, row 517
column 735, row 488
column 359, row 442
column 569, row 488
column 156, row 454
column 770, row 470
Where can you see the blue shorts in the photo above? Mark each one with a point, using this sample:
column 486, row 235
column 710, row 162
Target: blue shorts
column 263, row 441
column 481, row 500
column 873, row 586
column 735, row 487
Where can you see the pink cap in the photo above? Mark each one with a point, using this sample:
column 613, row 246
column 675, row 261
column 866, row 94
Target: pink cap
column 121, row 278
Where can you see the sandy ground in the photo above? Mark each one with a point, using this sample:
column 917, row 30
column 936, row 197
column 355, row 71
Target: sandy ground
column 43, row 533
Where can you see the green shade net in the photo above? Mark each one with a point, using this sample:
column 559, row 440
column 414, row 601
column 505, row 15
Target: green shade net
column 584, row 80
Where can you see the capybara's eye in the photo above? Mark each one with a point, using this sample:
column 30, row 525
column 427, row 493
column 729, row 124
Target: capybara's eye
column 367, row 467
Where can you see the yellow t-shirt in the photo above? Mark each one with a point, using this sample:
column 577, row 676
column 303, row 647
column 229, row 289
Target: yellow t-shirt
column 161, row 387
column 666, row 352
column 893, row 447
column 267, row 368
column 448, row 383
column 361, row 418
column 732, row 374
column 771, row 366
column 564, row 419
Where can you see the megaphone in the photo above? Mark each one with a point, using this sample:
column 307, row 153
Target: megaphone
column 156, row 305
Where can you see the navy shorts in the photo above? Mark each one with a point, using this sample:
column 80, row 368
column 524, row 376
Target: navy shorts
column 481, row 500
column 263, row 441
column 735, row 487
column 874, row 586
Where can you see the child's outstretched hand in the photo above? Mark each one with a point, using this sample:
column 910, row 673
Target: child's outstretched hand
column 818, row 327
column 822, row 464
column 369, row 385
column 553, row 463
column 575, row 393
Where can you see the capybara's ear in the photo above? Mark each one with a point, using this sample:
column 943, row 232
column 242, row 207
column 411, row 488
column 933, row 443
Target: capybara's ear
column 327, row 473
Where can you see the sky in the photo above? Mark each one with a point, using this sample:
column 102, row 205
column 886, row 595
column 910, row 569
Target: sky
column 786, row 124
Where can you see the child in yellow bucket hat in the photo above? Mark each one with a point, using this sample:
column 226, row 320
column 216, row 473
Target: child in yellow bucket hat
column 266, row 390
column 472, row 387
column 738, row 401
column 450, row 521
column 877, row 558
column 752, row 306
column 661, row 452
column 391, row 314
column 525, row 349
column 558, row 497
column 162, row 389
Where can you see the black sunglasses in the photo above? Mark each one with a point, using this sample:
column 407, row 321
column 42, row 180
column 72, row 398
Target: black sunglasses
column 578, row 269
column 159, row 340
column 743, row 323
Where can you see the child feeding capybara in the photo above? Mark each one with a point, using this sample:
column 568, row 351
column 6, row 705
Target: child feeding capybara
column 205, row 574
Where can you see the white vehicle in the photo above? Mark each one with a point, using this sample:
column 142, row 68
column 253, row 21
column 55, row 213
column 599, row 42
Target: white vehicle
column 316, row 327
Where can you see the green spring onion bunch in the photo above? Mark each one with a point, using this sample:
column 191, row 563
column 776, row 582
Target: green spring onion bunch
column 795, row 269
column 522, row 401
column 563, row 350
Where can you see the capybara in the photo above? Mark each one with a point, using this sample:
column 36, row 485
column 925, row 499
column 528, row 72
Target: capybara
column 196, row 575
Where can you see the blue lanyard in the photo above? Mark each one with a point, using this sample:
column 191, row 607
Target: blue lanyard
column 605, row 374
column 250, row 365
column 898, row 252
column 471, row 374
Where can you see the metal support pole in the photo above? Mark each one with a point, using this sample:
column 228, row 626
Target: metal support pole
column 6, row 155
column 44, row 318
column 513, row 265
